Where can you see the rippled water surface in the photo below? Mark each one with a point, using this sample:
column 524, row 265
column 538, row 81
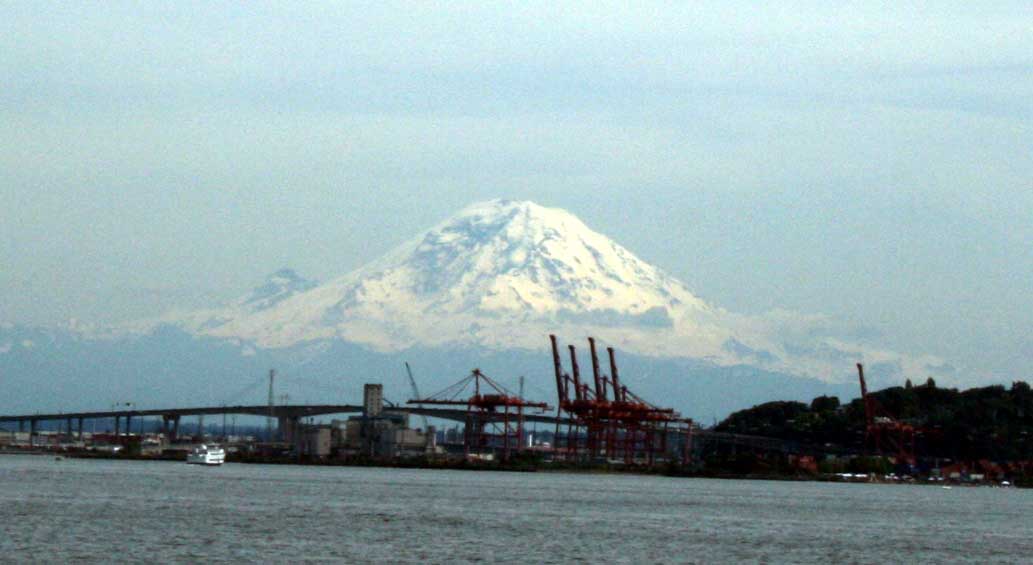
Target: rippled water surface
column 113, row 510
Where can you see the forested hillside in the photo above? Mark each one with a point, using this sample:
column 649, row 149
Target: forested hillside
column 991, row 422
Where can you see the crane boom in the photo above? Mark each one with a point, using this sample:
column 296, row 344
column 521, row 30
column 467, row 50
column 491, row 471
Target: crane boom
column 869, row 410
column 415, row 391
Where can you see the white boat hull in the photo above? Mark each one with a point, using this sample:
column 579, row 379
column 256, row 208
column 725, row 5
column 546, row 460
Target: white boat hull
column 205, row 455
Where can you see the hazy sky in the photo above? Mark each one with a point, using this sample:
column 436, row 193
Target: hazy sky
column 870, row 161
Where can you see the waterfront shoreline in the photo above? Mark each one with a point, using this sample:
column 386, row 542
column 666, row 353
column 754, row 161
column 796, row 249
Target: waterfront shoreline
column 520, row 467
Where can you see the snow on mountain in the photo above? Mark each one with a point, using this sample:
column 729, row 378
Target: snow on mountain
column 278, row 287
column 504, row 274
column 498, row 274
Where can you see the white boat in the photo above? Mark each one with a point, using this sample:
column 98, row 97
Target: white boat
column 206, row 455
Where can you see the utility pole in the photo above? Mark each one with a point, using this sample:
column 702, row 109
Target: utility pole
column 269, row 420
column 520, row 439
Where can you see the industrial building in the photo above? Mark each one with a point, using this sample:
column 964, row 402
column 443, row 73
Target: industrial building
column 375, row 433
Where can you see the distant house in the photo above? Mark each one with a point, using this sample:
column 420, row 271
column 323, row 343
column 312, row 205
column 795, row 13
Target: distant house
column 982, row 470
column 954, row 471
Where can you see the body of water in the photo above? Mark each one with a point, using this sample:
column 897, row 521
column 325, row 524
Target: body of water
column 102, row 511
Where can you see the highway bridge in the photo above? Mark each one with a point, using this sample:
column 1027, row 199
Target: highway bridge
column 289, row 415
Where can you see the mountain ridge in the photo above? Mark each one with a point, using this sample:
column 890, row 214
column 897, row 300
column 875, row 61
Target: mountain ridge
column 503, row 274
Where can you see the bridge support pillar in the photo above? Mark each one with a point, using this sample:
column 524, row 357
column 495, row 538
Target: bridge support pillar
column 80, row 429
column 118, row 429
column 287, row 429
column 32, row 432
column 21, row 425
column 68, row 428
column 170, row 427
column 129, row 424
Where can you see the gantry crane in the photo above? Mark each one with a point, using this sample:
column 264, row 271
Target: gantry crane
column 494, row 415
column 622, row 428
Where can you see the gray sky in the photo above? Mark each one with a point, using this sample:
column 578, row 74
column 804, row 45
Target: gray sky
column 871, row 162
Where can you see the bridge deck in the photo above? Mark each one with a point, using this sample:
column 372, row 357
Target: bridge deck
column 282, row 411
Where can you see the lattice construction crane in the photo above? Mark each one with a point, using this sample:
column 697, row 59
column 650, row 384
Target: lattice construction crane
column 415, row 393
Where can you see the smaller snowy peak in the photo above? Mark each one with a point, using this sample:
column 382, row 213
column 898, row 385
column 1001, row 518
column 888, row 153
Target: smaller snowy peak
column 277, row 287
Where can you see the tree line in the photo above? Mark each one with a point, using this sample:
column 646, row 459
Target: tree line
column 992, row 422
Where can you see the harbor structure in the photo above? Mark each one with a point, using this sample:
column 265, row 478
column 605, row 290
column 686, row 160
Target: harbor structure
column 495, row 416
column 607, row 422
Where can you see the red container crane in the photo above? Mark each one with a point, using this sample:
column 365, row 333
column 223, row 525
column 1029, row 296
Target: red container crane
column 494, row 415
column 882, row 432
column 608, row 421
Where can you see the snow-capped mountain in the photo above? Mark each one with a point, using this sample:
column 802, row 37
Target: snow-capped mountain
column 497, row 274
column 503, row 274
column 483, row 288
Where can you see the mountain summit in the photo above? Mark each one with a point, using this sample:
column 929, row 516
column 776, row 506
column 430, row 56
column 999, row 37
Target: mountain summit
column 509, row 257
column 504, row 274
